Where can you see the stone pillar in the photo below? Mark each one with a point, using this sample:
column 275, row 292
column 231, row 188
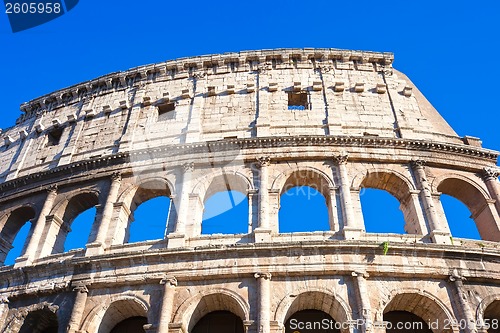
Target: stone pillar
column 31, row 250
column 263, row 232
column 332, row 210
column 363, row 301
column 490, row 176
column 461, row 296
column 350, row 230
column 177, row 239
column 169, row 284
column 264, row 294
column 97, row 247
column 78, row 308
column 4, row 309
column 251, row 209
column 437, row 232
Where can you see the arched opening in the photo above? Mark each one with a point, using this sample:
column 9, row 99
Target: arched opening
column 404, row 322
column 124, row 316
column 311, row 321
column 305, row 203
column 40, row 321
column 131, row 325
column 398, row 207
column 150, row 220
column 226, row 206
column 310, row 306
column 80, row 230
column 225, row 213
column 492, row 317
column 381, row 212
column 219, row 322
column 475, row 200
column 303, row 209
column 149, row 212
column 459, row 218
column 15, row 234
column 406, row 312
column 80, row 209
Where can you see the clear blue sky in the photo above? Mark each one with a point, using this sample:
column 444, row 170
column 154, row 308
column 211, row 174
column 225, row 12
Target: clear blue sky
column 448, row 48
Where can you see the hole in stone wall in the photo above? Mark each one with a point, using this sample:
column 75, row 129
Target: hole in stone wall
column 80, row 230
column 130, row 325
column 458, row 217
column 166, row 111
column 226, row 212
column 303, row 209
column 54, row 136
column 150, row 220
column 405, row 322
column 298, row 101
column 381, row 212
column 18, row 244
column 220, row 322
column 313, row 321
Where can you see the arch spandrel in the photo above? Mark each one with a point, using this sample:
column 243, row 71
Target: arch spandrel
column 222, row 180
column 302, row 175
column 392, row 181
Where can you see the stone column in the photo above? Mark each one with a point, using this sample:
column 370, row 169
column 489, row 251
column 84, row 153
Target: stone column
column 350, row 230
column 31, row 250
column 437, row 233
column 461, row 296
column 264, row 294
column 169, row 284
column 177, row 239
column 97, row 247
column 490, row 176
column 263, row 231
column 363, row 301
column 332, row 210
column 78, row 308
column 251, row 209
column 4, row 308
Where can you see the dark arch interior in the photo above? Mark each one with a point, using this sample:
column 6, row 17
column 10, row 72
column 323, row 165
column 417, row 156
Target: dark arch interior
column 219, row 322
column 405, row 322
column 492, row 317
column 130, row 325
column 311, row 321
column 381, row 212
column 40, row 321
column 302, row 209
column 225, row 212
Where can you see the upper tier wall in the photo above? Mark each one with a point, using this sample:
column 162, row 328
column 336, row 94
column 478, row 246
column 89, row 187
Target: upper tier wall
column 246, row 94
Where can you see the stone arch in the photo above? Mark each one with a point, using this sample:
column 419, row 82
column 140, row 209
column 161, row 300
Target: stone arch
column 16, row 320
column 132, row 197
column 321, row 299
column 310, row 177
column 400, row 187
column 477, row 200
column 197, row 306
column 421, row 303
column 10, row 224
column 102, row 318
column 483, row 305
column 216, row 182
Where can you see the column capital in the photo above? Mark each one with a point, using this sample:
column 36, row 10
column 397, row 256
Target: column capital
column 265, row 276
column 360, row 274
column 52, row 189
column 188, row 166
column 490, row 173
column 263, row 161
column 116, row 176
column 341, row 158
column 4, row 300
column 455, row 276
column 81, row 289
column 417, row 163
column 169, row 281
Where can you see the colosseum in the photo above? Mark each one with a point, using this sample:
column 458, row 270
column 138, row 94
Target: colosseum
column 257, row 123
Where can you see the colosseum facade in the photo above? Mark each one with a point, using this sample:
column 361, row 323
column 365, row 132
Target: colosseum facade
column 256, row 122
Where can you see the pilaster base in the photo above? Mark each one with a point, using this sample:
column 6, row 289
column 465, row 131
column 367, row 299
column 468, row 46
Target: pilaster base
column 352, row 233
column 94, row 249
column 176, row 240
column 441, row 237
column 22, row 262
column 262, row 235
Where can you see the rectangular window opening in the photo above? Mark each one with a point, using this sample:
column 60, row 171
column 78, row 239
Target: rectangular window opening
column 54, row 136
column 166, row 111
column 298, row 101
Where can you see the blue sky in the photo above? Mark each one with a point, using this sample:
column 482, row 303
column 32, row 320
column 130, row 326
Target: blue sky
column 447, row 48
